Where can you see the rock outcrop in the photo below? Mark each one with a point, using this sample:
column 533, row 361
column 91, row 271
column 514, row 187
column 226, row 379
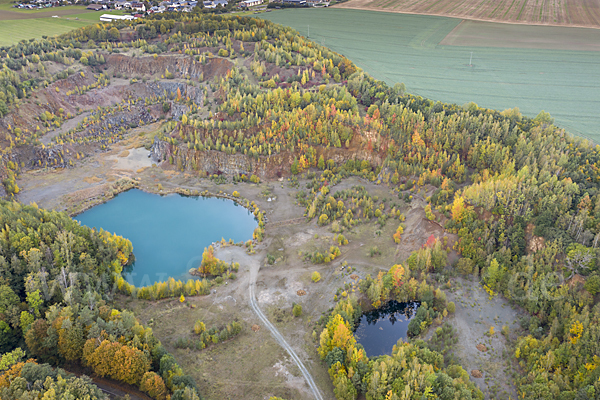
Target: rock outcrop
column 180, row 66
column 265, row 167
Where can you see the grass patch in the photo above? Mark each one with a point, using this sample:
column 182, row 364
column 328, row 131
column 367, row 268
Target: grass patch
column 13, row 31
column 92, row 179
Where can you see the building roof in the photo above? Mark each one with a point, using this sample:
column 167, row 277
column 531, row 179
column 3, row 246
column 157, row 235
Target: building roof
column 110, row 17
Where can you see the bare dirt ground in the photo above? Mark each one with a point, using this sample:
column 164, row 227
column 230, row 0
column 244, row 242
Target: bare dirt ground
column 580, row 13
column 253, row 365
column 475, row 314
column 74, row 189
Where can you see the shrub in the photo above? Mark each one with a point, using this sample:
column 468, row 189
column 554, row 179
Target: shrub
column 451, row 307
column 341, row 239
column 465, row 266
column 323, row 219
column 316, row 277
column 414, row 327
column 297, row 310
column 398, row 235
column 199, row 327
column 374, row 251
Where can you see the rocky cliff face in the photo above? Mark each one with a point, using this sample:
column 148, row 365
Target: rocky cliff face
column 170, row 88
column 179, row 66
column 266, row 167
column 160, row 151
column 62, row 98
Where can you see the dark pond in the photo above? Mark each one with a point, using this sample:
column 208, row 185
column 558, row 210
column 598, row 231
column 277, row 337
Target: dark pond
column 379, row 330
column 169, row 233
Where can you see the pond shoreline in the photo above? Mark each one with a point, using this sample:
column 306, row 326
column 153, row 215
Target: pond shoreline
column 169, row 232
column 133, row 184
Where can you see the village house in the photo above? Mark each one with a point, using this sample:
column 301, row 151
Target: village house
column 250, row 3
column 138, row 6
column 111, row 18
column 95, row 7
column 215, row 3
column 119, row 5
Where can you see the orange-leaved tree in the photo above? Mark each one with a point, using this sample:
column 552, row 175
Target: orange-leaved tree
column 154, row 385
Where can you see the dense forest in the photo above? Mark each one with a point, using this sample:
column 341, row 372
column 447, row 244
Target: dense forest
column 57, row 281
column 520, row 193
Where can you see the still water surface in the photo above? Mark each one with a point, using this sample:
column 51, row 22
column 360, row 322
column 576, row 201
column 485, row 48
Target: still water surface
column 379, row 330
column 169, row 233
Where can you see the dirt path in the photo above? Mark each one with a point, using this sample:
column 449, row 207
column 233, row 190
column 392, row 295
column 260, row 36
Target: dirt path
column 68, row 125
column 278, row 337
column 114, row 390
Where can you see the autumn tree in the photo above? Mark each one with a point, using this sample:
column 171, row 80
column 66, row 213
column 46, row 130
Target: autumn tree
column 398, row 235
column 154, row 385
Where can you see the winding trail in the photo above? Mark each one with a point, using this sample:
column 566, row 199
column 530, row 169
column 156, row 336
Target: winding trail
column 278, row 337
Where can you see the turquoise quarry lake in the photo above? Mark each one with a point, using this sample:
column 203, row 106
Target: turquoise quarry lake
column 379, row 330
column 169, row 233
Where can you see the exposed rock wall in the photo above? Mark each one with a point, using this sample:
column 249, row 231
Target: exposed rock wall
column 179, row 66
column 266, row 167
column 170, row 88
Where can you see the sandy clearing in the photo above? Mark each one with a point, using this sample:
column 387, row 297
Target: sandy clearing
column 136, row 159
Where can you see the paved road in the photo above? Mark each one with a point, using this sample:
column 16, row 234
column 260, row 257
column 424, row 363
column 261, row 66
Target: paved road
column 280, row 339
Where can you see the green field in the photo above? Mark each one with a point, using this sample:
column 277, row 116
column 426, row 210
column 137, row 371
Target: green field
column 404, row 48
column 14, row 30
